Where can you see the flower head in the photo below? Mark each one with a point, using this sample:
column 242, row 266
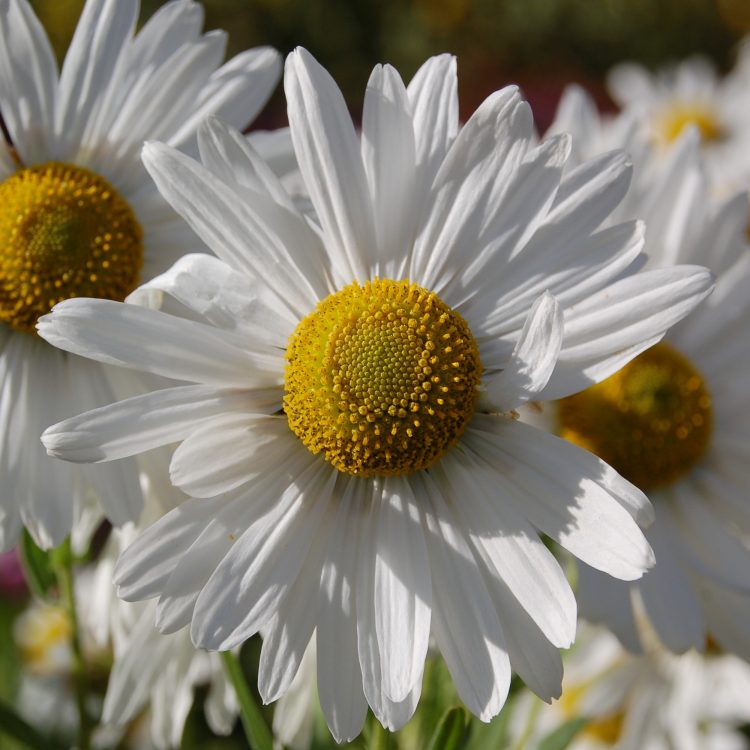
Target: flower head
column 79, row 217
column 349, row 435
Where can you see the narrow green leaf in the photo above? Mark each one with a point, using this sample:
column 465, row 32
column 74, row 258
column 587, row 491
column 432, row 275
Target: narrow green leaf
column 490, row 736
column 257, row 731
column 38, row 566
column 12, row 725
column 563, row 736
column 450, row 733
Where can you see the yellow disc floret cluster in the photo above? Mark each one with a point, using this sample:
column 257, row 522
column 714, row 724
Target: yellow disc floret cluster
column 676, row 118
column 64, row 232
column 381, row 378
column 651, row 421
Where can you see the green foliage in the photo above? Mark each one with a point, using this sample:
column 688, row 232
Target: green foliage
column 38, row 565
column 23, row 735
column 563, row 736
column 451, row 732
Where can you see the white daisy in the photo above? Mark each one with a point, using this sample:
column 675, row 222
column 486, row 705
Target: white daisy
column 650, row 702
column 347, row 435
column 674, row 420
column 79, row 216
column 690, row 93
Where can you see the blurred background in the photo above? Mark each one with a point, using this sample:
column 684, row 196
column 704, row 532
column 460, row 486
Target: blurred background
column 540, row 44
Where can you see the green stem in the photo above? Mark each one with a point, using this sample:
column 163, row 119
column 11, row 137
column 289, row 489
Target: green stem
column 256, row 729
column 528, row 729
column 64, row 572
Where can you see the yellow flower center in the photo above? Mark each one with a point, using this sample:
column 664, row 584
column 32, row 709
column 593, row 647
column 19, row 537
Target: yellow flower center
column 651, row 420
column 64, row 232
column 674, row 120
column 605, row 729
column 43, row 638
column 381, row 378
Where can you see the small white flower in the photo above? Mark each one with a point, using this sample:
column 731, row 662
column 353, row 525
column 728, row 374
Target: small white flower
column 691, row 94
column 347, row 435
column 649, row 702
column 79, row 216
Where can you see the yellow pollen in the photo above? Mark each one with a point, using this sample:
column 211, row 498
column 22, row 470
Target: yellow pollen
column 381, row 378
column 651, row 421
column 64, row 232
column 674, row 120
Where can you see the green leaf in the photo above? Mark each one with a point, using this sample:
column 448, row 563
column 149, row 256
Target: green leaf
column 38, row 565
column 13, row 726
column 257, row 731
column 450, row 733
column 490, row 736
column 563, row 736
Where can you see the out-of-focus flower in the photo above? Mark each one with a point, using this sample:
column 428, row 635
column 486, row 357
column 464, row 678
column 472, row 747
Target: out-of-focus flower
column 690, row 94
column 650, row 702
column 350, row 439
column 673, row 420
column 79, row 216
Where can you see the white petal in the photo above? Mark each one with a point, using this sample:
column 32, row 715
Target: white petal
column 621, row 316
column 236, row 92
column 181, row 589
column 228, row 450
column 144, row 422
column 287, row 635
column 465, row 623
column 153, row 341
column 250, row 232
column 670, row 601
column 329, row 158
column 510, row 548
column 602, row 599
column 339, row 676
column 250, row 582
column 147, row 563
column 388, row 153
column 533, row 360
column 490, row 145
column 94, row 56
column 567, row 493
column 28, row 78
column 392, row 715
column 222, row 296
column 402, row 589
column 134, row 671
column 433, row 95
column 233, row 157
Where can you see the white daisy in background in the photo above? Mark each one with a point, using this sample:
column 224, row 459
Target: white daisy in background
column 42, row 634
column 79, row 216
column 152, row 670
column 652, row 702
column 674, row 421
column 691, row 93
column 346, row 426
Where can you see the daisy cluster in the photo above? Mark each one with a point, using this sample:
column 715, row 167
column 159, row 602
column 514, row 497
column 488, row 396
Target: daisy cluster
column 366, row 421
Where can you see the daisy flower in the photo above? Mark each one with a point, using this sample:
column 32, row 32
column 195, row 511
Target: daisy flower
column 79, row 216
column 346, row 428
column 649, row 702
column 690, row 94
column 673, row 422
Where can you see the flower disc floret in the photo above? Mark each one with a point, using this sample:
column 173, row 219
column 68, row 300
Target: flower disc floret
column 64, row 232
column 381, row 378
column 651, row 420
column 680, row 116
